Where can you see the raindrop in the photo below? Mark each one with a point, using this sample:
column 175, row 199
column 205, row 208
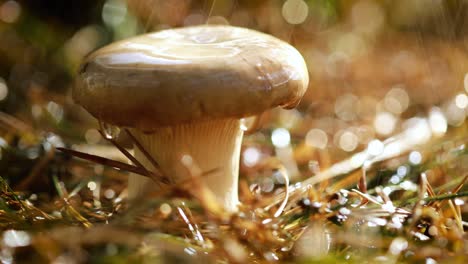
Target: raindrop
column 270, row 256
column 288, row 247
column 53, row 140
column 109, row 131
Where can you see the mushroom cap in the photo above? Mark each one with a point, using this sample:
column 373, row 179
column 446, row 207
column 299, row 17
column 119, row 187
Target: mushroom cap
column 190, row 74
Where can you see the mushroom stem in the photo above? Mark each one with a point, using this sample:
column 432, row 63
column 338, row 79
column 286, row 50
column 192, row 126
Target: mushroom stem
column 214, row 147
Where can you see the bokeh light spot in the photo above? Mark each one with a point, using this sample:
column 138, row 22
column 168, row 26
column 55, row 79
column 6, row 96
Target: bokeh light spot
column 92, row 185
column 251, row 156
column 114, row 12
column 217, row 20
column 461, row 101
column 316, row 138
column 165, row 209
column 295, row 11
column 402, row 171
column 92, row 136
column 465, row 82
column 454, row 114
column 280, row 137
column 345, row 107
column 385, row 123
column 109, row 193
column 367, row 17
column 437, row 121
column 415, row 157
column 418, row 130
column 396, row 100
column 348, row 141
column 3, row 90
column 55, row 110
column 375, row 147
column 194, row 19
column 10, row 11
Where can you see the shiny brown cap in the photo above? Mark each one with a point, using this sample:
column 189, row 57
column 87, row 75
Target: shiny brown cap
column 190, row 74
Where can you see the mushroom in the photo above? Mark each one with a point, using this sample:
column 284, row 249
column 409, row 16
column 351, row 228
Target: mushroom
column 183, row 92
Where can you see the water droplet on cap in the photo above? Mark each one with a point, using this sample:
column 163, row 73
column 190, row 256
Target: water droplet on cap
column 109, row 131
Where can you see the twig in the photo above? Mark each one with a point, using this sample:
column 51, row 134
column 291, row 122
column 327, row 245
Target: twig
column 143, row 150
column 126, row 154
column 105, row 161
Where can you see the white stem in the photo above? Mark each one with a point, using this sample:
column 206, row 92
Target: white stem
column 213, row 146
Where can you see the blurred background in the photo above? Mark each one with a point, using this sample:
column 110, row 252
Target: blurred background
column 371, row 63
column 380, row 70
column 376, row 69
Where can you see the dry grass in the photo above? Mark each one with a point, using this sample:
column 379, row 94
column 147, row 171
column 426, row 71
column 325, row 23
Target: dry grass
column 330, row 219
